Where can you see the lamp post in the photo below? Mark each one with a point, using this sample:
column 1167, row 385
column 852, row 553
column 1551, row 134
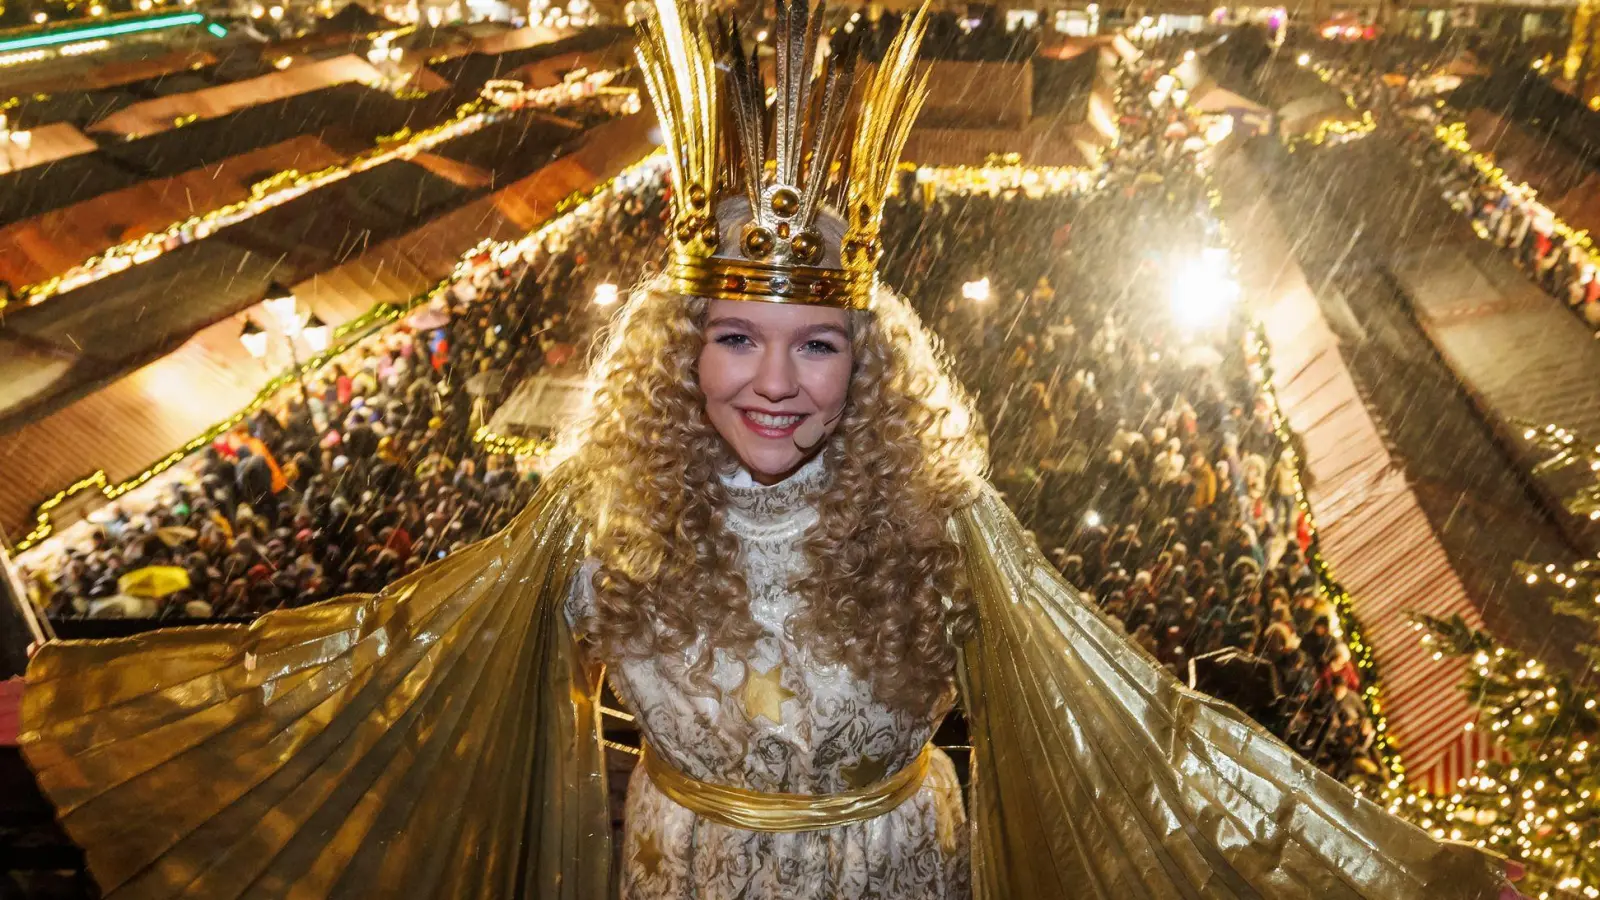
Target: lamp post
column 282, row 305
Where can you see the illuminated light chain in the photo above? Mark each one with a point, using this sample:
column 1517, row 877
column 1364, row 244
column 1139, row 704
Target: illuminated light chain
column 1335, row 131
column 1453, row 137
column 512, row 446
column 564, row 217
column 1004, row 173
column 282, row 187
column 86, row 47
column 16, row 59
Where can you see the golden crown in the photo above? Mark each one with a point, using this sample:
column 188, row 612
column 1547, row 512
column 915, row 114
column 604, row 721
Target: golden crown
column 724, row 140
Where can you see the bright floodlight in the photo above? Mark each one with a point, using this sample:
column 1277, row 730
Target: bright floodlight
column 605, row 294
column 976, row 291
column 1092, row 519
column 254, row 339
column 1304, row 59
column 1203, row 291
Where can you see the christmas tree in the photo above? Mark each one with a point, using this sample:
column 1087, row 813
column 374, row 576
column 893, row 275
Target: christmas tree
column 1537, row 803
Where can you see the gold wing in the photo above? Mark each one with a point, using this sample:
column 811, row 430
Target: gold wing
column 1096, row 774
column 438, row 739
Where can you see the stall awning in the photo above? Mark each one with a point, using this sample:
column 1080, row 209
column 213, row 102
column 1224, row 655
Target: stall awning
column 160, row 114
column 39, row 248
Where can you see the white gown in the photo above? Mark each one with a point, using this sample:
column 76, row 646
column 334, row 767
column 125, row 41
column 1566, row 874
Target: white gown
column 780, row 723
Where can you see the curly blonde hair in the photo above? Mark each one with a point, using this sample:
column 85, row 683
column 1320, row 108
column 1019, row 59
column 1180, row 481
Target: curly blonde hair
column 885, row 593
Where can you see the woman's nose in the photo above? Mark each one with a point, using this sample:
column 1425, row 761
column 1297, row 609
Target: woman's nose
column 776, row 379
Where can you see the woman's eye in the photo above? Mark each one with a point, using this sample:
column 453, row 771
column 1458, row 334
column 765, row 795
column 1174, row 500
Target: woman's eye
column 819, row 347
column 735, row 340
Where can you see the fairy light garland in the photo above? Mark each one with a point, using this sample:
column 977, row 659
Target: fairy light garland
column 1332, row 132
column 564, row 218
column 290, row 184
column 492, row 442
column 1004, row 173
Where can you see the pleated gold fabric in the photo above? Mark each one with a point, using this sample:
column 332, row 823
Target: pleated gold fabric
column 438, row 739
column 1098, row 776
column 771, row 812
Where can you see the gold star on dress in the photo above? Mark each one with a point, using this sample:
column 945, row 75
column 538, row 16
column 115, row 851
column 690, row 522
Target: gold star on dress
column 764, row 694
column 648, row 856
column 866, row 772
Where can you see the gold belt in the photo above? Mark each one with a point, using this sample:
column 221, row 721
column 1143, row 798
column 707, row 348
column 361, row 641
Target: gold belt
column 761, row 811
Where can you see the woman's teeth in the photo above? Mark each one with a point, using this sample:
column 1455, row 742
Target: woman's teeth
column 767, row 421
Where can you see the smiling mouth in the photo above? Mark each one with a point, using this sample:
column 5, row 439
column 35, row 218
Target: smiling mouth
column 771, row 425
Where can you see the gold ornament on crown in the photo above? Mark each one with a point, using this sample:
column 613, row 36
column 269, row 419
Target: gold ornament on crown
column 725, row 140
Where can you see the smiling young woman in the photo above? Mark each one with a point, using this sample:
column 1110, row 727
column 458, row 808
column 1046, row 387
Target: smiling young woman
column 775, row 377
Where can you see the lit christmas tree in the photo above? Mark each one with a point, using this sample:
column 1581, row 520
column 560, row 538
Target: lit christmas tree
column 1539, row 804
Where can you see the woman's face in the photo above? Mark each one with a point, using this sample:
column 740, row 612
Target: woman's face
column 775, row 378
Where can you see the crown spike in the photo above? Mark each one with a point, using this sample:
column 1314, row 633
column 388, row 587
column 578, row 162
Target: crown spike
column 749, row 108
column 721, row 142
column 829, row 131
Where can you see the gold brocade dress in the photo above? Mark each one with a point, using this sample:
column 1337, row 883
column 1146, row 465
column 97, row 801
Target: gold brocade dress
column 441, row 739
column 779, row 723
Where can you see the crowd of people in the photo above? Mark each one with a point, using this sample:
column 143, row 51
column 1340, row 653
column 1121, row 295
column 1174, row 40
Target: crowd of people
column 1138, row 449
column 1141, row 455
column 1513, row 220
column 1519, row 225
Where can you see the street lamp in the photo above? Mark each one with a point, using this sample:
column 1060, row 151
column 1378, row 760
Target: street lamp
column 282, row 306
column 281, row 302
column 316, row 333
column 254, row 339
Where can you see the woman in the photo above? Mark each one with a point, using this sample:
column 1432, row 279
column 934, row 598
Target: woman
column 772, row 530
column 779, row 623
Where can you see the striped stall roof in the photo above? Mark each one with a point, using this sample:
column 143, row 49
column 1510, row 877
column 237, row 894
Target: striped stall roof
column 1373, row 532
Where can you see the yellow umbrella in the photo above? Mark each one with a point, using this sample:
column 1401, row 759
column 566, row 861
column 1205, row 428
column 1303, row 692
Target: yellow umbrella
column 153, row 581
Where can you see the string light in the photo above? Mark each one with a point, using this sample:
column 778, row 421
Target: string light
column 1332, row 132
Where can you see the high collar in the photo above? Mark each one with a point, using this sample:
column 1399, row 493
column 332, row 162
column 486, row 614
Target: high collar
column 758, row 510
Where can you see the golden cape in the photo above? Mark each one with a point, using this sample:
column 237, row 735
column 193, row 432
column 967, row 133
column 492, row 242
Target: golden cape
column 441, row 739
